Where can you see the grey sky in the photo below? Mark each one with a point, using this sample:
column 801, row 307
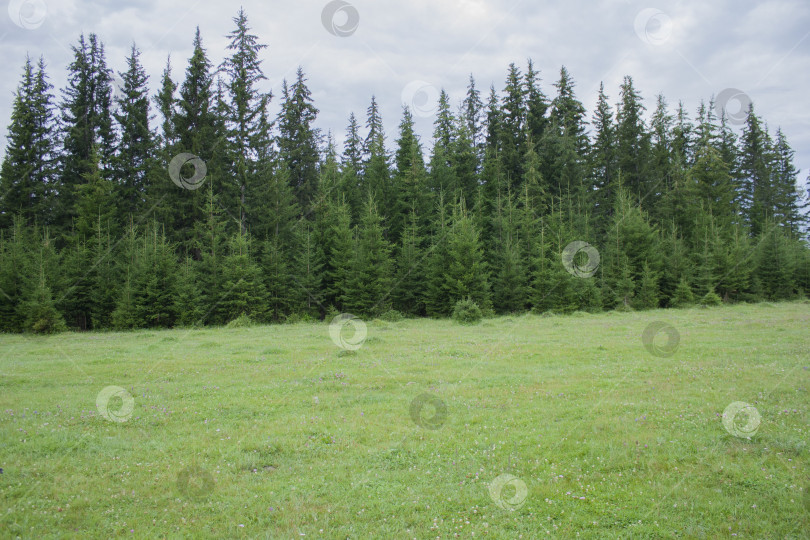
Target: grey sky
column 687, row 50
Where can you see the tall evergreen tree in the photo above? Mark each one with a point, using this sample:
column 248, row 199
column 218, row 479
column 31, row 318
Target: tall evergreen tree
column 298, row 139
column 86, row 122
column 243, row 288
column 603, row 167
column 28, row 173
column 369, row 285
column 790, row 208
column 633, row 143
column 472, row 112
column 755, row 193
column 197, row 132
column 376, row 171
column 135, row 148
column 245, row 110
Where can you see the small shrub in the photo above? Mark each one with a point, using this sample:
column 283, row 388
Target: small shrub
column 295, row 318
column 623, row 307
column 331, row 313
column 49, row 324
column 392, row 315
column 467, row 312
column 683, row 296
column 242, row 321
column 711, row 299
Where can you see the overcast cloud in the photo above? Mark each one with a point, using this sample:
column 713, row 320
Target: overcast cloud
column 687, row 50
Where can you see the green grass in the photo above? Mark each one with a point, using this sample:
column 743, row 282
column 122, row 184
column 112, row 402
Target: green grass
column 276, row 432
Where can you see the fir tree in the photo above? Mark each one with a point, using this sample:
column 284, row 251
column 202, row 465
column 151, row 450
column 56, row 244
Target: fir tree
column 370, row 280
column 135, row 148
column 244, row 292
column 298, row 138
column 245, row 108
column 633, row 143
column 86, row 122
column 27, row 174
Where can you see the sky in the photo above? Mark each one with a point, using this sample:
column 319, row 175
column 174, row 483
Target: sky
column 405, row 52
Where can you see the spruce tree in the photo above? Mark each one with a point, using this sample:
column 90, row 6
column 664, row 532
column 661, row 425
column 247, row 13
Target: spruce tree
column 754, row 190
column 86, row 122
column 154, row 282
column 408, row 290
column 188, row 303
column 370, row 278
column 135, row 148
column 472, row 113
column 243, row 291
column 41, row 316
column 409, row 178
column 774, row 265
column 27, row 174
column 341, row 252
column 307, row 272
column 466, row 274
column 376, row 172
column 603, row 161
column 647, row 296
column 298, row 139
column 95, row 201
column 245, row 108
column 196, row 131
column 512, row 133
column 633, row 143
column 278, row 283
column 15, row 250
column 790, row 210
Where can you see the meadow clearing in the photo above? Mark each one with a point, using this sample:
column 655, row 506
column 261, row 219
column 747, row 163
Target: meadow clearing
column 590, row 425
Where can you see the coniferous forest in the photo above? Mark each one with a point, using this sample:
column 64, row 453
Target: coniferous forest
column 129, row 203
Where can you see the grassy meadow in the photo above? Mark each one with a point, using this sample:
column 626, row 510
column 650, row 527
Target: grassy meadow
column 518, row 427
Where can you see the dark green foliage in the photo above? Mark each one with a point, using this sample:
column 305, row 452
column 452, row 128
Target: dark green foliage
column 94, row 233
column 459, row 269
column 682, row 297
column 28, row 171
column 135, row 150
column 774, row 265
column 368, row 288
column 466, row 312
column 648, row 292
column 86, row 121
column 711, row 299
column 243, row 291
column 41, row 316
column 153, row 280
column 298, row 138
